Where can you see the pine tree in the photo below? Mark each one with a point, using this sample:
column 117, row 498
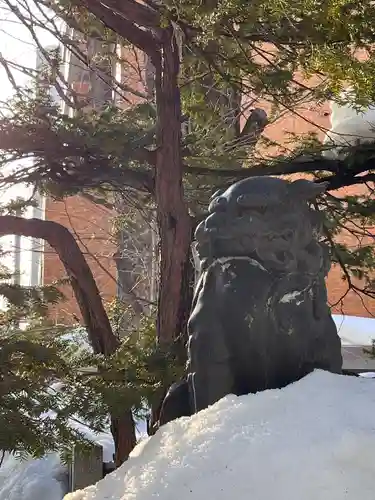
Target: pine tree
column 206, row 56
column 34, row 359
column 51, row 380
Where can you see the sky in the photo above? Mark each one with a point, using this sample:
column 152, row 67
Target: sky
column 17, row 45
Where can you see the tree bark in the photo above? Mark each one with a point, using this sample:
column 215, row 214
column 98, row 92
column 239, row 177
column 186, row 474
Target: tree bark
column 86, row 292
column 187, row 289
column 123, row 433
column 174, row 223
column 173, row 217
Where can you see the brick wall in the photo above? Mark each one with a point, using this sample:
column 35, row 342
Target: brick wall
column 88, row 222
column 91, row 226
column 314, row 118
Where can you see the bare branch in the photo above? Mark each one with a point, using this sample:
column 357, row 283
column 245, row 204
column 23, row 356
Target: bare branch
column 8, row 72
column 135, row 12
column 124, row 27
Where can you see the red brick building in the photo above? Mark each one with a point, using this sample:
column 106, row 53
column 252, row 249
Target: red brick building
column 91, row 223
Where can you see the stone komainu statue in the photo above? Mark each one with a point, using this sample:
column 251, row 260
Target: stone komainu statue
column 260, row 318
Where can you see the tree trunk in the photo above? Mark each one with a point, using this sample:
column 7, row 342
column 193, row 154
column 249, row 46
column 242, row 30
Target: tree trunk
column 174, row 222
column 86, row 292
column 187, row 289
column 172, row 213
column 123, row 432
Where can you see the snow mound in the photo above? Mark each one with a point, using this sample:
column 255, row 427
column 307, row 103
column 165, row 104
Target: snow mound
column 32, row 479
column 315, row 439
column 46, row 478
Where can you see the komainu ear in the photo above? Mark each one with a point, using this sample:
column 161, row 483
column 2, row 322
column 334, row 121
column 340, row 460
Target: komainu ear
column 306, row 190
column 218, row 204
column 217, row 193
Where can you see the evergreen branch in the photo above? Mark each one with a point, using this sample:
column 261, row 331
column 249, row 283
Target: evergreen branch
column 65, row 159
column 281, row 168
column 343, row 174
column 98, row 201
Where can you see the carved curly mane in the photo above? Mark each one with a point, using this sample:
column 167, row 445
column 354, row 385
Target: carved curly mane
column 282, row 235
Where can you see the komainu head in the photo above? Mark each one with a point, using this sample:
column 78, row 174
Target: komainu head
column 268, row 219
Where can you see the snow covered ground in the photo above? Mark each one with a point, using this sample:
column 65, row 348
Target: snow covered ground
column 355, row 331
column 313, row 440
column 32, row 479
column 41, row 479
column 44, row 479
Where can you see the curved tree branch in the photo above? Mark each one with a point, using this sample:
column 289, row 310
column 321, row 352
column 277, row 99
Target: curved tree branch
column 86, row 292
